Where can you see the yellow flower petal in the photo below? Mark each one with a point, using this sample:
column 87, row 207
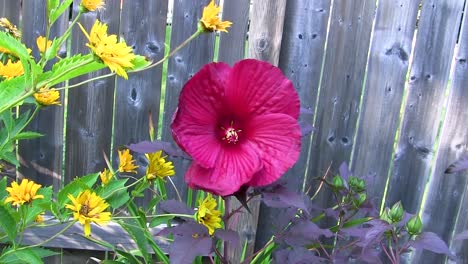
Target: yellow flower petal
column 23, row 193
column 207, row 214
column 92, row 5
column 47, row 97
column 42, row 45
column 11, row 69
column 210, row 20
column 126, row 161
column 158, row 167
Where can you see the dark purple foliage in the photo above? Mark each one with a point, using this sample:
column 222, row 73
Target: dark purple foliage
column 303, row 232
column 462, row 236
column 460, row 165
column 175, row 207
column 229, row 236
column 153, row 146
column 297, row 256
column 279, row 196
column 374, row 232
column 190, row 240
column 432, row 242
column 344, row 171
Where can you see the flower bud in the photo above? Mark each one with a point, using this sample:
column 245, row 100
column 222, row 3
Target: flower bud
column 360, row 199
column 338, row 182
column 384, row 216
column 396, row 213
column 356, row 184
column 414, row 225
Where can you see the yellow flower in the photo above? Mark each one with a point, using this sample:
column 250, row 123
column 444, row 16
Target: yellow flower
column 47, row 97
column 158, row 167
column 88, row 207
column 42, row 45
column 11, row 69
column 10, row 28
column 39, row 218
column 106, row 176
column 23, row 193
column 210, row 20
column 207, row 214
column 126, row 161
column 92, row 5
column 116, row 55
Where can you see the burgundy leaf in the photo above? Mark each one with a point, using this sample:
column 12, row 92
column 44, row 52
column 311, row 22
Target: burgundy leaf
column 175, row 207
column 190, row 240
column 374, row 233
column 303, row 232
column 344, row 171
column 306, row 128
column 460, row 165
column 228, row 235
column 370, row 255
column 153, row 146
column 281, row 197
column 432, row 242
column 462, row 236
column 297, row 256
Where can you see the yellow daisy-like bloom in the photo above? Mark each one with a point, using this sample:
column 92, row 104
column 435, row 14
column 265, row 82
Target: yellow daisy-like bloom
column 92, row 5
column 23, row 193
column 116, row 55
column 126, row 161
column 11, row 69
column 210, row 20
column 89, row 208
column 47, row 97
column 106, row 176
column 42, row 45
column 158, row 167
column 39, row 218
column 207, row 214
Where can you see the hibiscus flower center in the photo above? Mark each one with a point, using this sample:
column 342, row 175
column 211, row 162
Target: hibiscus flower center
column 230, row 134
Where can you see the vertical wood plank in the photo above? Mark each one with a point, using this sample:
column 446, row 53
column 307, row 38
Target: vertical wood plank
column 11, row 10
column 444, row 189
column 266, row 29
column 428, row 79
column 383, row 95
column 232, row 44
column 340, row 92
column 90, row 106
column 302, row 51
column 41, row 159
column 182, row 66
column 143, row 27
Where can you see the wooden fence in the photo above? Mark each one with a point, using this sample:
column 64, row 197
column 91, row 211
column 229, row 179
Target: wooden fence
column 386, row 81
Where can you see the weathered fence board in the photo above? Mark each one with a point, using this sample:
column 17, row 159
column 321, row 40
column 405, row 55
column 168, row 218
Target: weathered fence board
column 41, row 159
column 340, row 89
column 384, row 88
column 427, row 85
column 11, row 10
column 232, row 44
column 448, row 189
column 302, row 51
column 90, row 106
column 183, row 65
column 143, row 27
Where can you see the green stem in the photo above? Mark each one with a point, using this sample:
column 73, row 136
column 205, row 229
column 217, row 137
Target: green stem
column 154, row 216
column 187, row 41
column 124, row 188
column 74, row 67
column 17, row 100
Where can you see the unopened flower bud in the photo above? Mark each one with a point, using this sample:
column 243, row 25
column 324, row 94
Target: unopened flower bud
column 396, row 213
column 338, row 182
column 356, row 184
column 384, row 216
column 414, row 225
column 360, row 199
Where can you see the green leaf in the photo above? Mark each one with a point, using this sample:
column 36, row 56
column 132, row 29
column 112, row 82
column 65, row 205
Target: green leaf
column 26, row 255
column 76, row 186
column 56, row 12
column 7, row 223
column 26, row 135
column 7, row 119
column 351, row 223
column 111, row 193
column 20, row 122
column 51, row 5
column 140, row 62
column 3, row 185
column 138, row 235
column 14, row 46
column 52, row 51
column 12, row 90
column 158, row 220
column 129, row 257
column 9, row 156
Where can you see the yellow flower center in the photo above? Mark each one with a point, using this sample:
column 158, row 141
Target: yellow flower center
column 230, row 134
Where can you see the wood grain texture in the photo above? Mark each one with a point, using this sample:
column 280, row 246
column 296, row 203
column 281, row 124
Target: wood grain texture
column 383, row 95
column 11, row 10
column 182, row 66
column 90, row 106
column 232, row 44
column 450, row 190
column 266, row 29
column 41, row 159
column 340, row 91
column 143, row 27
column 424, row 103
column 302, row 51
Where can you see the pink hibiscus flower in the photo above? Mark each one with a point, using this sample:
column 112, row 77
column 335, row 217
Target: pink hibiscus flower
column 239, row 125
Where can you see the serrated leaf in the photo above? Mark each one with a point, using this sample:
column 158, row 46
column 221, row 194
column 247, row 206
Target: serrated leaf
column 27, row 135
column 52, row 51
column 8, row 222
column 74, row 187
column 10, row 157
column 20, row 122
column 21, row 256
column 3, row 185
column 140, row 62
column 12, row 90
column 111, row 193
column 51, row 5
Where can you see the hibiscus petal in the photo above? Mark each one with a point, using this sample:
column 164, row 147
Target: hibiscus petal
column 257, row 87
column 235, row 166
column 278, row 137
